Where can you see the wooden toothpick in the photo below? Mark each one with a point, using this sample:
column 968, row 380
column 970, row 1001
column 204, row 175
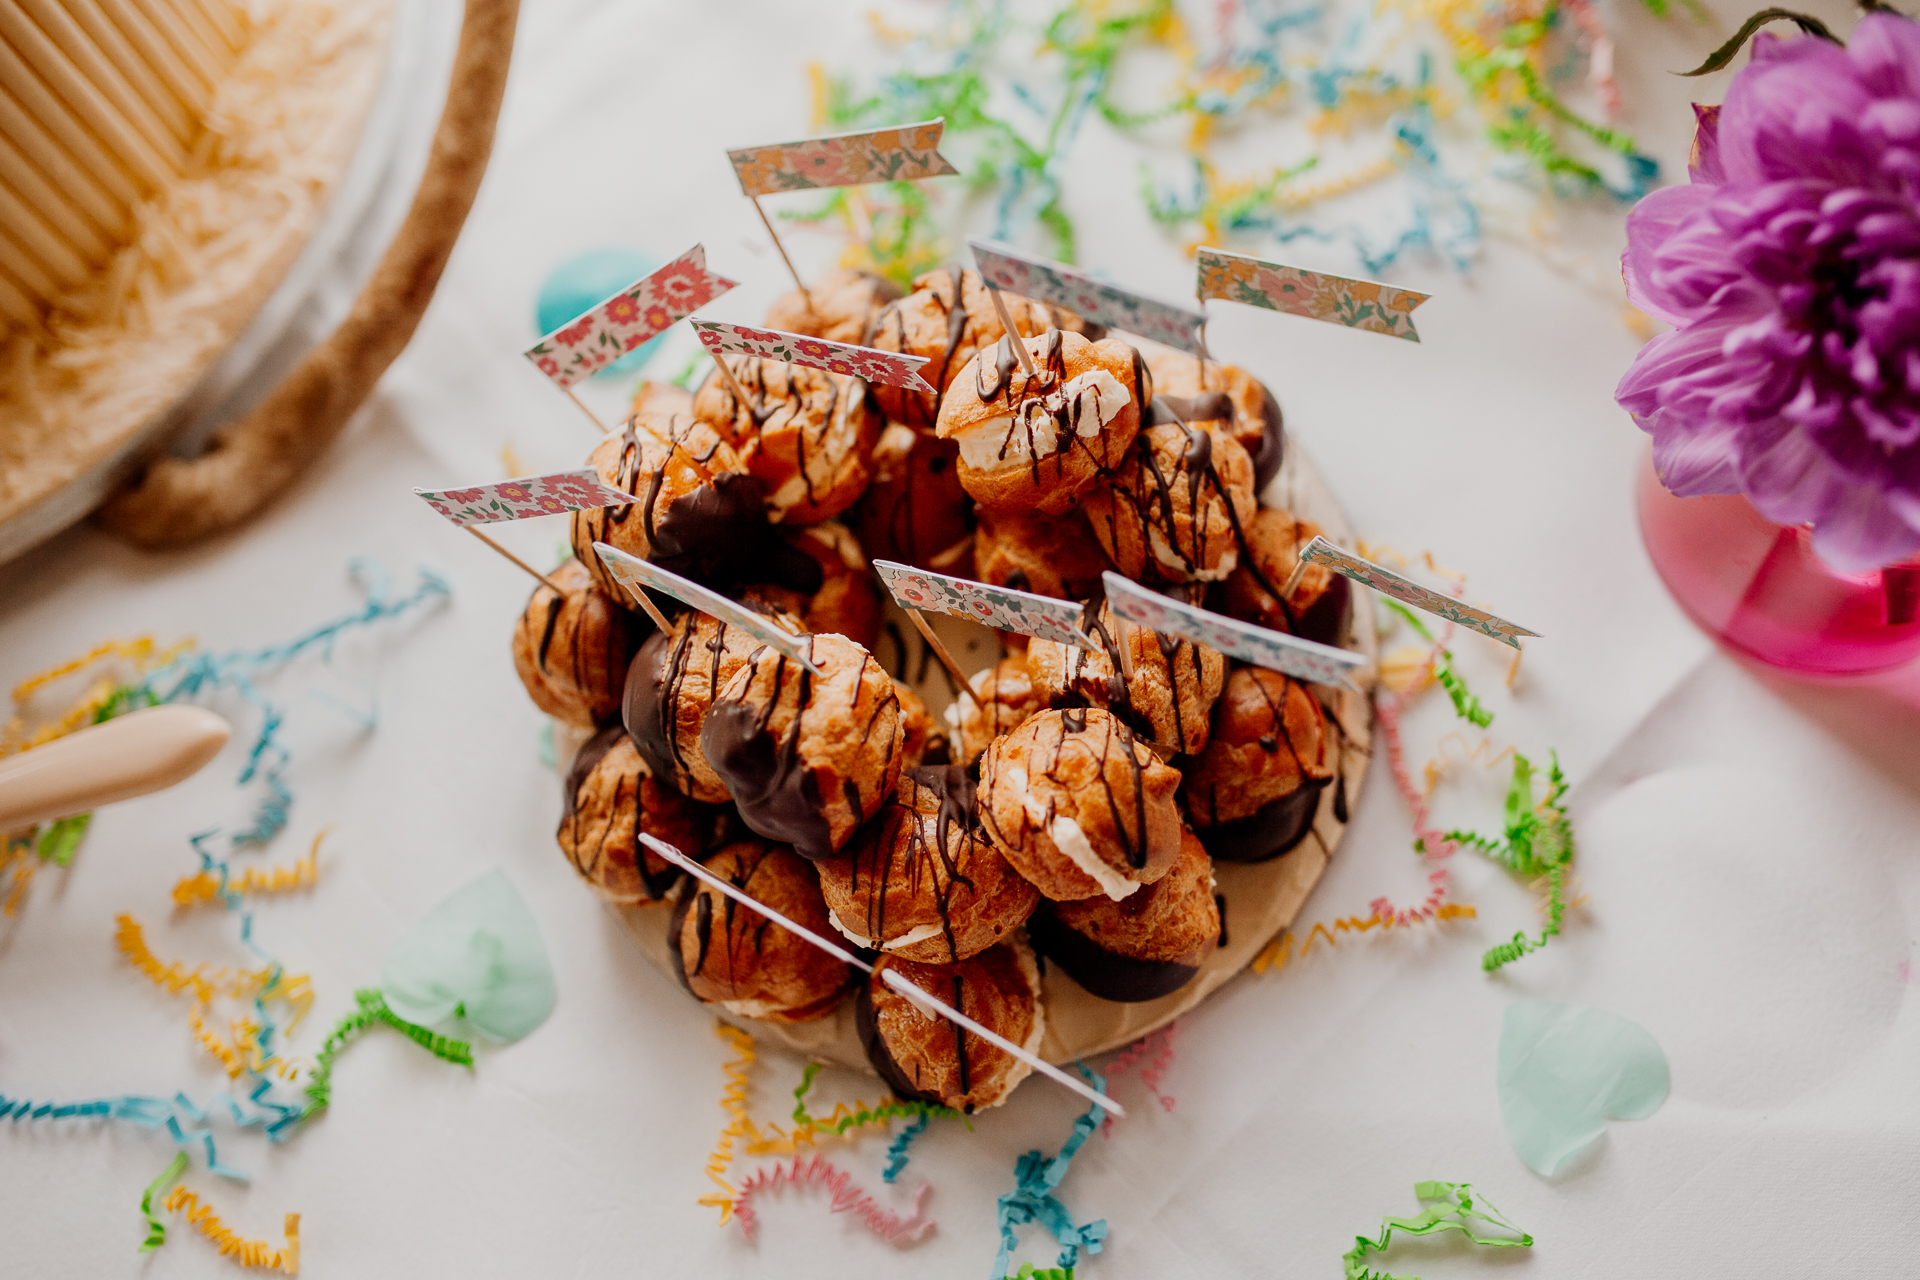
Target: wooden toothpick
column 946, row 659
column 581, row 405
column 739, row 392
column 1293, row 579
column 542, row 578
column 1014, row 335
column 768, row 224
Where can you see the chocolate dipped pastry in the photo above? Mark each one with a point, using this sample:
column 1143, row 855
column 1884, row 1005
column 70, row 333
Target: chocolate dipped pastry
column 611, row 799
column 1176, row 510
column 1003, row 699
column 1168, row 700
column 1041, row 442
column 572, row 649
column 802, row 432
column 661, row 397
column 922, row 881
column 1079, row 805
column 1251, row 795
column 808, row 758
column 947, row 318
column 1318, row 605
column 671, row 685
column 1147, row 946
column 736, row 958
column 918, row 514
column 696, row 511
column 923, row 1055
column 1251, row 410
column 837, row 588
column 1055, row 556
column 845, row 305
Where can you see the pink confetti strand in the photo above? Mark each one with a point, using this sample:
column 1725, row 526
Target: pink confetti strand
column 1153, row 1053
column 847, row 1198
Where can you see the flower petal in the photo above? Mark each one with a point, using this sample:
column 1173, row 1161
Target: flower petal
column 1650, row 226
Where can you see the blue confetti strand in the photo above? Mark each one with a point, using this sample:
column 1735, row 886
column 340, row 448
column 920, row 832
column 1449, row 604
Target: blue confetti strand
column 1033, row 1198
column 897, row 1149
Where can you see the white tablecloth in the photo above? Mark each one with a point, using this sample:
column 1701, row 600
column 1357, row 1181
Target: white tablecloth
column 1746, row 844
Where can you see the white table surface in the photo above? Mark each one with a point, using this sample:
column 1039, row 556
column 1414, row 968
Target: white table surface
column 1747, row 844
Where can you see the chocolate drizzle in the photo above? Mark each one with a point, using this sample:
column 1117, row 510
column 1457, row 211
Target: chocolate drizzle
column 1281, row 823
column 905, row 860
column 587, row 854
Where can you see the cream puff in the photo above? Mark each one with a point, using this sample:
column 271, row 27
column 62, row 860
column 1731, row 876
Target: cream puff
column 1079, row 805
column 843, row 306
column 918, row 514
column 924, row 1056
column 1055, row 556
column 1146, row 946
column 829, row 586
column 1003, row 698
column 1316, row 609
column 734, row 957
column 1041, row 442
column 695, row 512
column 1226, row 393
column 671, row 684
column 807, row 758
column 1168, row 699
column 611, row 798
column 1253, row 793
column 916, row 727
column 922, row 881
column 1176, row 510
column 947, row 318
column 802, row 432
column 572, row 648
column 661, row 397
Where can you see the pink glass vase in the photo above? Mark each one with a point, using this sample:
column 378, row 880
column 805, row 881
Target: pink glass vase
column 1758, row 589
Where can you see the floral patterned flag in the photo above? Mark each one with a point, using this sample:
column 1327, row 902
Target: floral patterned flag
column 843, row 160
column 874, row 365
column 634, row 574
column 1387, row 582
column 526, row 497
column 1276, row 650
column 1000, row 607
column 1003, row 268
column 1357, row 304
column 589, row 342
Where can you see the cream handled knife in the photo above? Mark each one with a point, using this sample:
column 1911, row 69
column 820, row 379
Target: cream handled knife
column 131, row 755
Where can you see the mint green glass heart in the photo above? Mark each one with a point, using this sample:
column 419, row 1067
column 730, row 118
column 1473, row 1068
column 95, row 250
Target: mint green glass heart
column 479, row 954
column 1565, row 1070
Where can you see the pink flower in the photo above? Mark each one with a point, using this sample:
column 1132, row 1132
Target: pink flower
column 623, row 310
column 658, row 317
column 515, row 493
column 842, row 366
column 550, row 504
column 813, row 347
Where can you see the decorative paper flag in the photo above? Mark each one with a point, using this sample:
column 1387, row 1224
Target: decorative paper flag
column 593, row 340
column 478, row 954
column 526, row 497
column 1065, row 287
column 870, row 363
column 1357, row 304
column 1290, row 655
column 843, row 160
column 1320, row 551
column 634, row 573
column 1001, row 607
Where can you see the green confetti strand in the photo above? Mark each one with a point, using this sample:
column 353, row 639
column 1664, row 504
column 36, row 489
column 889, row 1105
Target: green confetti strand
column 1466, row 704
column 156, row 1229
column 60, row 839
column 1539, row 842
column 865, row 1115
column 1434, row 1220
column 372, row 1008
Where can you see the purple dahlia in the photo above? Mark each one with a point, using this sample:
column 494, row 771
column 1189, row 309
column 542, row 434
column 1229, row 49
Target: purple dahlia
column 1790, row 268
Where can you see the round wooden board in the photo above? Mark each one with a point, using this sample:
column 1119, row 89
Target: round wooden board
column 1261, row 898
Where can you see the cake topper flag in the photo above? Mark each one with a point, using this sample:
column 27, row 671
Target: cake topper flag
column 1001, row 607
column 1275, row 650
column 1003, row 268
column 591, row 341
column 1357, row 304
column 526, row 497
column 899, row 154
column 1387, row 582
column 636, row 574
column 890, row 367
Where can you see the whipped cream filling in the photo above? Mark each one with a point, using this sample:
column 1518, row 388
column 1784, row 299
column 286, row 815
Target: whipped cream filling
column 822, row 460
column 919, row 933
column 751, row 1008
column 1163, row 552
column 1000, row 442
column 1070, row 839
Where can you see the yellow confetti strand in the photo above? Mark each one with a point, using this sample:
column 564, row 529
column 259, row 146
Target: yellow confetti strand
column 248, row 1253
column 293, row 989
column 733, row 1100
column 1480, row 753
column 136, row 651
column 1276, row 953
column 14, row 736
column 229, row 1057
column 205, row 886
